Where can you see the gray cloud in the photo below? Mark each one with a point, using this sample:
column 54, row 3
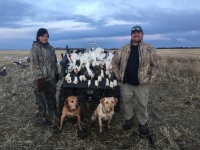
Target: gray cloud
column 166, row 23
column 12, row 11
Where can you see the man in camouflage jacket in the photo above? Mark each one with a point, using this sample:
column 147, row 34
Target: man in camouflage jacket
column 44, row 68
column 135, row 65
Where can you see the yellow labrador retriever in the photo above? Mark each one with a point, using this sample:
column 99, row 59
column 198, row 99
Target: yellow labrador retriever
column 105, row 111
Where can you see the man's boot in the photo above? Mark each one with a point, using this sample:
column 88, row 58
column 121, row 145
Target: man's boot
column 143, row 129
column 127, row 125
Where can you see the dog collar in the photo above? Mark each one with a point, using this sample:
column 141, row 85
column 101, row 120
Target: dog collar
column 105, row 111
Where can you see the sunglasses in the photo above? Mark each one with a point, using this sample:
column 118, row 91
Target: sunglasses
column 137, row 29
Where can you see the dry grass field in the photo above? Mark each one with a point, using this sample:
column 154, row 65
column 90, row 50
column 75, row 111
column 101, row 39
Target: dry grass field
column 174, row 110
column 179, row 52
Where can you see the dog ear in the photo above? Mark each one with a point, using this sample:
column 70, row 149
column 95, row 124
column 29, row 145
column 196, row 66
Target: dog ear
column 102, row 101
column 116, row 100
column 66, row 102
column 77, row 100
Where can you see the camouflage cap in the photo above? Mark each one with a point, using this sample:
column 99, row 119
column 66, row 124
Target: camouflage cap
column 136, row 28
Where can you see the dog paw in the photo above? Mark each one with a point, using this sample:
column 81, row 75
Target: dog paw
column 100, row 130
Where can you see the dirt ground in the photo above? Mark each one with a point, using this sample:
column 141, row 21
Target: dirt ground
column 174, row 109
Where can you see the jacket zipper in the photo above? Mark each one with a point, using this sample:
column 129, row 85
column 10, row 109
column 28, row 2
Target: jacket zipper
column 140, row 60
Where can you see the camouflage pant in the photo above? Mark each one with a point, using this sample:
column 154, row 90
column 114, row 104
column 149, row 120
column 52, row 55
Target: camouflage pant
column 46, row 101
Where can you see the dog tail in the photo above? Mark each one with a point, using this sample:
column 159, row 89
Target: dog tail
column 94, row 117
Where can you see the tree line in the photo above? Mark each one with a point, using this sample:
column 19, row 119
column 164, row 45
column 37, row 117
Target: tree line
column 62, row 48
column 178, row 47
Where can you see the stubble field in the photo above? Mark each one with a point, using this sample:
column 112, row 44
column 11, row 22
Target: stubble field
column 174, row 109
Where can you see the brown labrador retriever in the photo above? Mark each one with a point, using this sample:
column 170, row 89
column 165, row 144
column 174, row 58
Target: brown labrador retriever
column 71, row 108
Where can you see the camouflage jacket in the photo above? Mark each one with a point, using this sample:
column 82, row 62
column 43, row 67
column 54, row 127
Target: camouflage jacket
column 148, row 62
column 43, row 61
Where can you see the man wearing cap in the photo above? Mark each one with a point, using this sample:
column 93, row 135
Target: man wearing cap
column 135, row 65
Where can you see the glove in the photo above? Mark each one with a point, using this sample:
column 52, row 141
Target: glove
column 41, row 86
column 57, row 77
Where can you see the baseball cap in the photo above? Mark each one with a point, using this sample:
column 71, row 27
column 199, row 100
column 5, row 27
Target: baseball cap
column 136, row 28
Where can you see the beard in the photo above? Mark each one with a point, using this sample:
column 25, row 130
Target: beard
column 136, row 41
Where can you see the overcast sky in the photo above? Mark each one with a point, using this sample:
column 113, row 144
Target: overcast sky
column 166, row 23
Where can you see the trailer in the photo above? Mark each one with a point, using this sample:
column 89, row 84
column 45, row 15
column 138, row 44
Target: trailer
column 81, row 89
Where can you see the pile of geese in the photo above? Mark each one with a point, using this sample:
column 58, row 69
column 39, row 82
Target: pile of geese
column 93, row 64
